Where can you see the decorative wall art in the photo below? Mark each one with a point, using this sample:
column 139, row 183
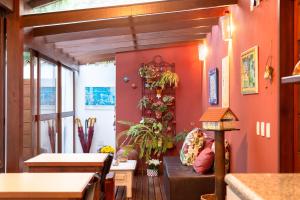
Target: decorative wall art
column 225, row 82
column 213, row 86
column 100, row 96
column 249, row 71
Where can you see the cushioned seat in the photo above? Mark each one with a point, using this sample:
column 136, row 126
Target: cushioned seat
column 182, row 183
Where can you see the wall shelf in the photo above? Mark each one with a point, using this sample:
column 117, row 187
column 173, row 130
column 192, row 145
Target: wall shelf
column 291, row 79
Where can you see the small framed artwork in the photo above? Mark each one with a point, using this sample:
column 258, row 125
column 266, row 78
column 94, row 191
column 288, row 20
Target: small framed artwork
column 213, row 87
column 100, row 96
column 249, row 71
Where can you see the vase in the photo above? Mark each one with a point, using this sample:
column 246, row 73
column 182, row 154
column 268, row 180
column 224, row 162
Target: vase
column 152, row 172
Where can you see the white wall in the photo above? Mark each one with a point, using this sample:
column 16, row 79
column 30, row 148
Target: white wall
column 98, row 75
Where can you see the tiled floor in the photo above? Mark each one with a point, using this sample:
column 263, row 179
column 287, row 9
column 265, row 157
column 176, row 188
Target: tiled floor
column 144, row 188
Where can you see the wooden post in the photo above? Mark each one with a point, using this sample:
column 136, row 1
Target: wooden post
column 14, row 90
column 2, row 95
column 220, row 188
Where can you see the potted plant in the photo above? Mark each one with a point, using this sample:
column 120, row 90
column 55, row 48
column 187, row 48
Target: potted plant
column 144, row 102
column 159, row 107
column 152, row 169
column 106, row 149
column 168, row 100
column 149, row 73
column 168, row 78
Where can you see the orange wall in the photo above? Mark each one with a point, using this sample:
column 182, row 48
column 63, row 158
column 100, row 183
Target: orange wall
column 250, row 153
column 188, row 94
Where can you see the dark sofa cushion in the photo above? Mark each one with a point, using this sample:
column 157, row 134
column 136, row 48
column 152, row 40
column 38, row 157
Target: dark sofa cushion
column 182, row 183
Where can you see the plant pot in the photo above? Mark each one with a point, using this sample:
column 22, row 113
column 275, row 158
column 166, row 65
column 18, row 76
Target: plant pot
column 152, row 172
column 158, row 114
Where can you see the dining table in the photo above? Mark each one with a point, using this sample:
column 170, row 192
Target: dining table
column 71, row 162
column 50, row 186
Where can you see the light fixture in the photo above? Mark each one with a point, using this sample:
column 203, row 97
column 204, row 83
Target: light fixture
column 226, row 26
column 202, row 50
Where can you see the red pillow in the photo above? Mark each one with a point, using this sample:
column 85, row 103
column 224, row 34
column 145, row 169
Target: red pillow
column 204, row 161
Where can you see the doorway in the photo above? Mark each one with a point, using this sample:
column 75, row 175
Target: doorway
column 96, row 98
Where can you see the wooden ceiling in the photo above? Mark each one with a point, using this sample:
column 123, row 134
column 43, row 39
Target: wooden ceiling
column 92, row 35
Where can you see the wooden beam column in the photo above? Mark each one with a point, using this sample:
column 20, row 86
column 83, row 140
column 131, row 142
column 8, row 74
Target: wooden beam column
column 14, row 90
column 2, row 95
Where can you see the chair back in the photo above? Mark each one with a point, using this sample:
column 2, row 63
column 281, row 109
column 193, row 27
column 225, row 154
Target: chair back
column 91, row 191
column 105, row 170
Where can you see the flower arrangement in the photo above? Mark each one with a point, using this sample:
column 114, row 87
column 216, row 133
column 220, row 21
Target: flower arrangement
column 107, row 149
column 153, row 166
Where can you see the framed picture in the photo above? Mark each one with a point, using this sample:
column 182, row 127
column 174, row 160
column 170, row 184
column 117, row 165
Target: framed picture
column 249, row 71
column 100, row 96
column 213, row 86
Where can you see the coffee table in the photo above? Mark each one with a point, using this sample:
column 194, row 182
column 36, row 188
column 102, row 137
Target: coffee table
column 124, row 175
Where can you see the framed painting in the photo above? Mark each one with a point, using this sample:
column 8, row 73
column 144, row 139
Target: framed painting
column 213, row 87
column 249, row 71
column 100, row 96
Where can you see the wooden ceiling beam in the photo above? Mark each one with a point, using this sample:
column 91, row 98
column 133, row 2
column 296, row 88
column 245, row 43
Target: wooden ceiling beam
column 164, row 26
column 38, row 44
column 7, row 4
column 37, row 3
column 80, row 55
column 93, row 14
column 107, row 48
column 97, row 58
column 124, row 38
column 133, row 20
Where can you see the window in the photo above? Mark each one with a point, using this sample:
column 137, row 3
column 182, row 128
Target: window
column 53, row 106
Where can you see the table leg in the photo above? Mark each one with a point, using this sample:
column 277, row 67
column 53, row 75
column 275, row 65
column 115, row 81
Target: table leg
column 129, row 185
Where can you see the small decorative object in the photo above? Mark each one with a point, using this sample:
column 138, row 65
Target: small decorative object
column 297, row 69
column 107, row 149
column 158, row 92
column 213, row 86
column 86, row 141
column 126, row 79
column 249, row 71
column 219, row 119
column 153, row 166
column 133, row 86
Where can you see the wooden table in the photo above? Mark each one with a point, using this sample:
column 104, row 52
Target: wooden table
column 124, row 175
column 44, row 185
column 79, row 162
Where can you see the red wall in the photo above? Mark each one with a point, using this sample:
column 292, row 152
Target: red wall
column 188, row 93
column 250, row 153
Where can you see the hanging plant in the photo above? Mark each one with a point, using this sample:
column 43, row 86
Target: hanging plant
column 144, row 102
column 168, row 78
column 149, row 73
column 159, row 107
column 168, row 117
column 168, row 100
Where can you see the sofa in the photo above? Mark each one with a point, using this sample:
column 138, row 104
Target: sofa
column 182, row 183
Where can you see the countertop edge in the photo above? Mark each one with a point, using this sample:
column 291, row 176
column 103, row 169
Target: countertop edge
column 240, row 188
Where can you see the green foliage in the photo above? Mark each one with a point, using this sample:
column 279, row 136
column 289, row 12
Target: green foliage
column 168, row 99
column 144, row 102
column 159, row 106
column 168, row 78
column 149, row 72
column 168, row 117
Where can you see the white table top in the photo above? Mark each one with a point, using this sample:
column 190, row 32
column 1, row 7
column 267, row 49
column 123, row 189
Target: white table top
column 130, row 165
column 74, row 159
column 43, row 185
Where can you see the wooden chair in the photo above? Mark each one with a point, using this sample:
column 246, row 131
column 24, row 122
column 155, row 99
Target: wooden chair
column 91, row 192
column 105, row 171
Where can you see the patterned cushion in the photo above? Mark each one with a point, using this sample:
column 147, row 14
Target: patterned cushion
column 204, row 161
column 191, row 147
column 227, row 155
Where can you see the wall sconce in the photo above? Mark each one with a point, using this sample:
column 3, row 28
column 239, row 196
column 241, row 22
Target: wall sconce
column 226, row 26
column 202, row 50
